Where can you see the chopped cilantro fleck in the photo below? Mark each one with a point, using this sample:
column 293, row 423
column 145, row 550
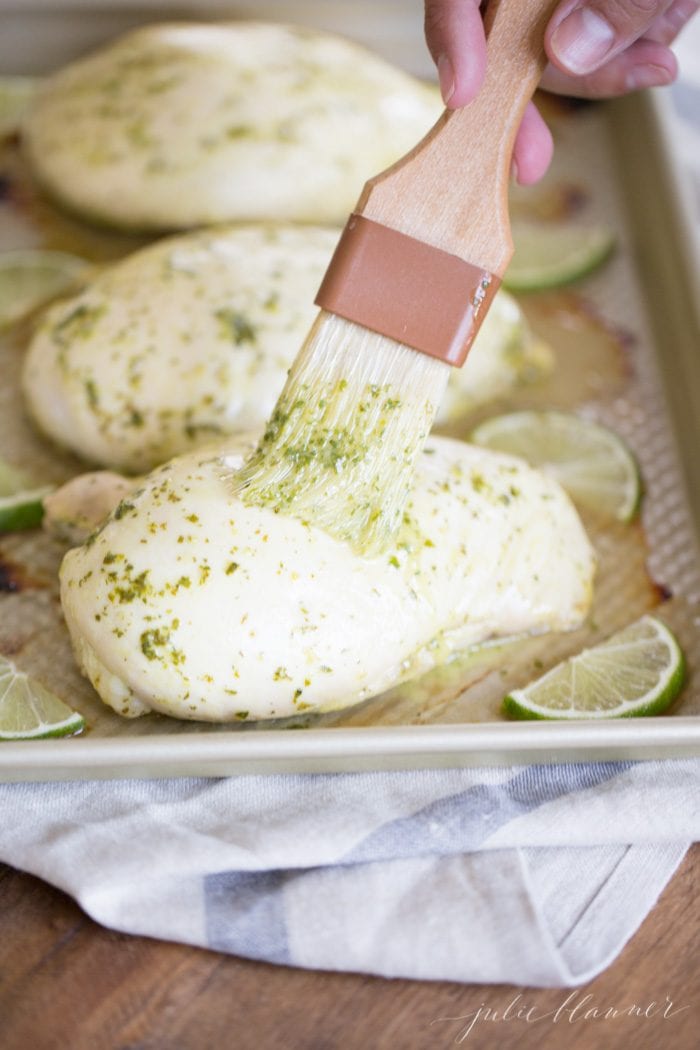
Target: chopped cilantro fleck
column 235, row 326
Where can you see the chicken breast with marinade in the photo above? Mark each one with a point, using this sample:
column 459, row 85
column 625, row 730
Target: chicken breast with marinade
column 180, row 125
column 193, row 337
column 190, row 603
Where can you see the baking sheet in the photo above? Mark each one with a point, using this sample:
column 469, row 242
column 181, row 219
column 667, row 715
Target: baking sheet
column 626, row 343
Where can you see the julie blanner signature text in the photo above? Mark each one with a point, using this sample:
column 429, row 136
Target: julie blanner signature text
column 575, row 1008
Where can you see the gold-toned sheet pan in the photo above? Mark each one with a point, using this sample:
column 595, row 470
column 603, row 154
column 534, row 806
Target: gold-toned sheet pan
column 627, row 354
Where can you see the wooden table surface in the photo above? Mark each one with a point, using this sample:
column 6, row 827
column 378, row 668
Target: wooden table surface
column 69, row 984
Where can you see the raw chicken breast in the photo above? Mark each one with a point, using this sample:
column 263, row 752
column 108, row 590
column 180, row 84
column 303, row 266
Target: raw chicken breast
column 193, row 604
column 193, row 337
column 185, row 125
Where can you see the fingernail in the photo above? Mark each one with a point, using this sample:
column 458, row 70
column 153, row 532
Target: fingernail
column 446, row 77
column 582, row 40
column 647, row 76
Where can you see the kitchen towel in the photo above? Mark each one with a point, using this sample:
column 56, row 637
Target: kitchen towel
column 533, row 876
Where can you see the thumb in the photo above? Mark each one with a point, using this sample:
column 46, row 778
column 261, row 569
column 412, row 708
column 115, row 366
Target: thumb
column 585, row 34
column 454, row 32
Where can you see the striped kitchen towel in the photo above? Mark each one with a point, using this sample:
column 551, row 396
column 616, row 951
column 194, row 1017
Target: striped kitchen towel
column 534, row 876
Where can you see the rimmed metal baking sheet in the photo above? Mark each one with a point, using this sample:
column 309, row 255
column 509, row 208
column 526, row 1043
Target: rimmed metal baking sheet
column 645, row 384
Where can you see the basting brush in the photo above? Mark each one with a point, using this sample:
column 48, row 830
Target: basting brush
column 411, row 280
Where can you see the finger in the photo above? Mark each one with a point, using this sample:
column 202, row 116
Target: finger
column 533, row 149
column 454, row 32
column 644, row 64
column 665, row 28
column 582, row 37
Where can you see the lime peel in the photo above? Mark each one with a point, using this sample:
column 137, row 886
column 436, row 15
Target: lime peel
column 639, row 671
column 23, row 510
column 30, row 711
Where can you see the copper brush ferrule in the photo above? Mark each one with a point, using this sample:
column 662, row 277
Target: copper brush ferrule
column 401, row 287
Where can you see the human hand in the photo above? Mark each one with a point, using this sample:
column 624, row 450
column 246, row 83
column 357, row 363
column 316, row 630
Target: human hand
column 595, row 48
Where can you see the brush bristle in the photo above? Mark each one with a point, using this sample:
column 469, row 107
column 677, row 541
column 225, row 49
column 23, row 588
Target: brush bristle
column 340, row 447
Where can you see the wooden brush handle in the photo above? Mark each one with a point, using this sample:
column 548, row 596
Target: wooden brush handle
column 451, row 191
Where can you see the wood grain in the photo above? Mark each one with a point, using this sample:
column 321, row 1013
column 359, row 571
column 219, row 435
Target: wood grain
column 68, row 984
column 451, row 191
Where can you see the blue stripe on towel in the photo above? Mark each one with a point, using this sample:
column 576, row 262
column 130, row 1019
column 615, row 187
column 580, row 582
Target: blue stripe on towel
column 245, row 909
column 245, row 914
column 462, row 822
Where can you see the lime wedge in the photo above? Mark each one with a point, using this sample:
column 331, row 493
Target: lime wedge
column 591, row 462
column 638, row 671
column 30, row 277
column 23, row 510
column 548, row 255
column 15, row 95
column 29, row 711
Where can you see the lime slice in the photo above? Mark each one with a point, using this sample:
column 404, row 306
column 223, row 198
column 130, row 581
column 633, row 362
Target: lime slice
column 23, row 510
column 12, row 479
column 548, row 255
column 638, row 671
column 21, row 499
column 30, row 277
column 591, row 462
column 29, row 711
column 15, row 95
